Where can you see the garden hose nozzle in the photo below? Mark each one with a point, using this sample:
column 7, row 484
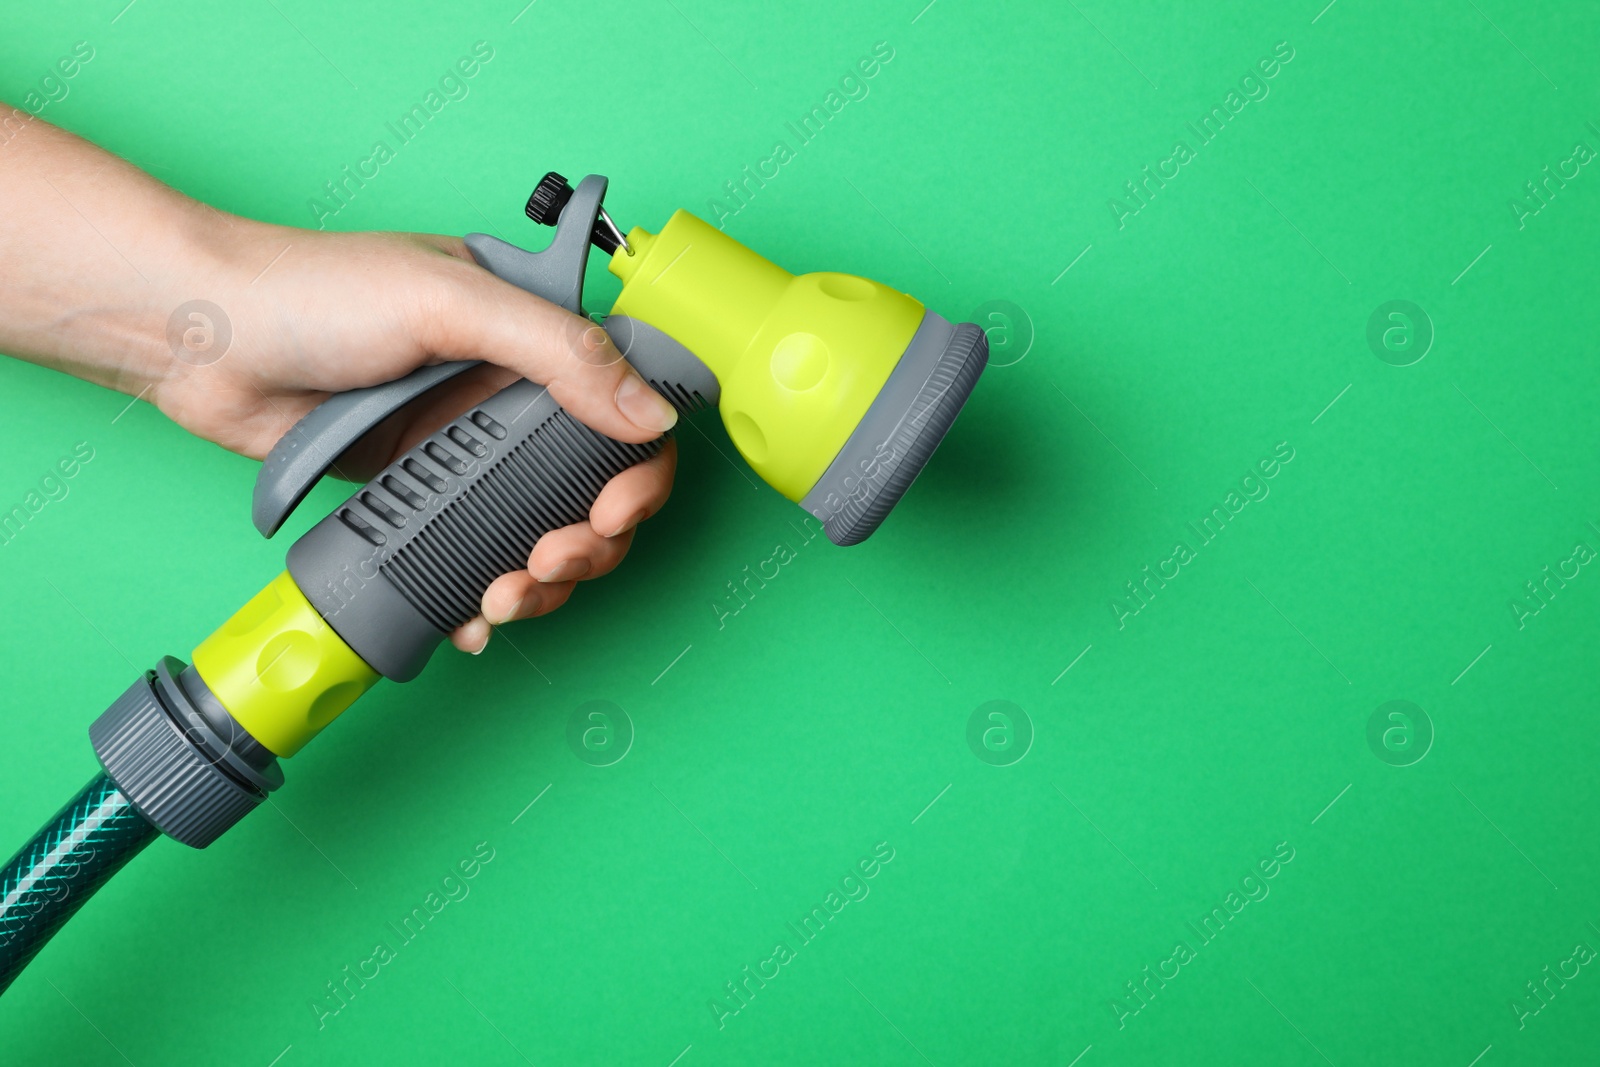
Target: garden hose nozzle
column 834, row 388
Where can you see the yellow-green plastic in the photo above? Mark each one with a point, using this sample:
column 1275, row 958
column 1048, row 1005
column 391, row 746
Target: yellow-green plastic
column 280, row 670
column 800, row 359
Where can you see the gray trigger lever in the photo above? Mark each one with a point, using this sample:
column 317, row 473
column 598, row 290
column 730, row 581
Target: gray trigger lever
column 304, row 454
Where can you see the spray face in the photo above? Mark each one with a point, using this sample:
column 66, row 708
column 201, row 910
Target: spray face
column 898, row 434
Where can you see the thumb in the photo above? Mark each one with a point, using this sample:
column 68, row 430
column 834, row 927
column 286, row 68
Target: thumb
column 476, row 315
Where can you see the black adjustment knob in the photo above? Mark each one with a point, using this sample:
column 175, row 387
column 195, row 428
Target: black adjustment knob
column 549, row 197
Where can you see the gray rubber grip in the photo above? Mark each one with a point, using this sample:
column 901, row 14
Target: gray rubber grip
column 407, row 558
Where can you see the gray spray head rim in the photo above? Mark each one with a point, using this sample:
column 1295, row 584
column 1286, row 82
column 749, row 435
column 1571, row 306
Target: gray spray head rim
column 900, row 431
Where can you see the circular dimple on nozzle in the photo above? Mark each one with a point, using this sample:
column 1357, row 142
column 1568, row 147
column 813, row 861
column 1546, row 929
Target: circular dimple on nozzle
column 331, row 704
column 288, row 661
column 845, row 286
column 800, row 361
column 748, row 436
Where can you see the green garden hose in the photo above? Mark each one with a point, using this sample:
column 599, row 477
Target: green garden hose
column 51, row 877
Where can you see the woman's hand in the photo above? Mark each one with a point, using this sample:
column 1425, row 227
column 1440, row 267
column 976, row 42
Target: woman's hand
column 99, row 265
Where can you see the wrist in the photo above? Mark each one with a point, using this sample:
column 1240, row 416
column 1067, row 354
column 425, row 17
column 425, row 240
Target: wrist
column 213, row 260
column 108, row 313
column 104, row 258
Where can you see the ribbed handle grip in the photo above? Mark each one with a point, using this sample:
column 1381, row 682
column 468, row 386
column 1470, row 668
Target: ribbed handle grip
column 407, row 558
column 497, row 502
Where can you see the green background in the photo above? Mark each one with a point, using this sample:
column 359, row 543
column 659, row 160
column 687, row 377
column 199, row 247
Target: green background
column 1141, row 385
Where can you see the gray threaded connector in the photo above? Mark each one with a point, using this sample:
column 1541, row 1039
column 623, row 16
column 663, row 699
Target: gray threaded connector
column 178, row 777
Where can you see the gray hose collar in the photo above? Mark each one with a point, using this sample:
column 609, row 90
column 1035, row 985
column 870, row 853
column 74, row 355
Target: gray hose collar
column 189, row 775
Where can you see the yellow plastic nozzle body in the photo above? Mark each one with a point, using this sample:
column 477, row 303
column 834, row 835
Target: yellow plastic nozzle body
column 280, row 670
column 799, row 358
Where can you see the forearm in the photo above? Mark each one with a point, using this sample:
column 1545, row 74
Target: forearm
column 95, row 255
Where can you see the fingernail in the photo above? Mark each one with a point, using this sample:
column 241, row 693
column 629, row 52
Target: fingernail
column 565, row 571
column 635, row 519
column 510, row 613
column 644, row 406
column 475, row 627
